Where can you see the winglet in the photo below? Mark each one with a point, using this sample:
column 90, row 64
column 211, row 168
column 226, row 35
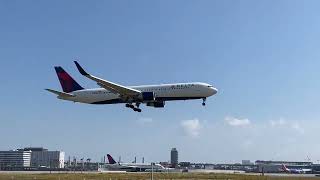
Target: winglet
column 80, row 69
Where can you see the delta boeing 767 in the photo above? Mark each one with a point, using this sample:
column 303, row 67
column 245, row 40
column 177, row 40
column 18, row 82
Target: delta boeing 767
column 132, row 96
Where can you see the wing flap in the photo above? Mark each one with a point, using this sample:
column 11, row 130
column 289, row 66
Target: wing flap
column 108, row 88
column 113, row 87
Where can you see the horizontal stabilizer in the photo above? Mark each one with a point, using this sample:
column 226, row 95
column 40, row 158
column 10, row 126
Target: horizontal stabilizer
column 61, row 94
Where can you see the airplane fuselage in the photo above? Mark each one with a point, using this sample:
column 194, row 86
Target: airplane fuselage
column 163, row 92
column 133, row 96
column 295, row 170
column 135, row 166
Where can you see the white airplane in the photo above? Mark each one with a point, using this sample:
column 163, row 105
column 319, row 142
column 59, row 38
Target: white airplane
column 133, row 96
column 295, row 170
column 113, row 165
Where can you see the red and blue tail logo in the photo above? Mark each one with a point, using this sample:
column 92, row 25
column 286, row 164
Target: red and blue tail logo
column 110, row 159
column 68, row 84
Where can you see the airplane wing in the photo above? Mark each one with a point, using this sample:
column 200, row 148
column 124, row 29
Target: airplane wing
column 113, row 87
column 61, row 94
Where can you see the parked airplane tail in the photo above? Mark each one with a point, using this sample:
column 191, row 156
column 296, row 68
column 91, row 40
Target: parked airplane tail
column 68, row 84
column 110, row 159
column 284, row 168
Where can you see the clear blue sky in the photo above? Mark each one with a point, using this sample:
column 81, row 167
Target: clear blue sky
column 263, row 56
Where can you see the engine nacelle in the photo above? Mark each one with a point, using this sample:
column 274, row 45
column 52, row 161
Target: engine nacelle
column 147, row 96
column 156, row 104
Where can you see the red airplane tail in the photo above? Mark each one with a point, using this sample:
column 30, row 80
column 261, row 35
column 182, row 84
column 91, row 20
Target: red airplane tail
column 284, row 168
column 68, row 84
column 111, row 160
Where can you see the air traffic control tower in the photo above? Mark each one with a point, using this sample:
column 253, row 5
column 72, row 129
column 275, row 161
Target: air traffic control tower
column 174, row 157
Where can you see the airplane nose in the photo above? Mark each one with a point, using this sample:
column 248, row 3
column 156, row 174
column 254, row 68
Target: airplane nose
column 215, row 90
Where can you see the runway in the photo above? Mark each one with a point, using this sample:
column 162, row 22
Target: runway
column 252, row 174
column 290, row 175
column 196, row 171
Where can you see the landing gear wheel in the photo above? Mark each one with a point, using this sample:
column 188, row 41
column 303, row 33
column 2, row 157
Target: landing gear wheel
column 204, row 101
column 129, row 106
column 137, row 109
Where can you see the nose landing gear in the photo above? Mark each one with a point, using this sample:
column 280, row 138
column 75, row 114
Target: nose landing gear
column 204, row 101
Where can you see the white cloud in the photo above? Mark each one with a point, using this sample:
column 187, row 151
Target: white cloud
column 145, row 120
column 277, row 123
column 286, row 124
column 191, row 127
column 232, row 121
column 247, row 143
column 296, row 126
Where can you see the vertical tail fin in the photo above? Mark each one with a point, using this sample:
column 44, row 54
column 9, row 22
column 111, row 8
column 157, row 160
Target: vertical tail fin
column 110, row 159
column 284, row 168
column 68, row 84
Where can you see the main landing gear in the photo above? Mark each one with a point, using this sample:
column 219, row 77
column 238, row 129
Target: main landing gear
column 204, row 101
column 135, row 108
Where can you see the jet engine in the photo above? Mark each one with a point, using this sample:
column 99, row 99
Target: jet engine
column 156, row 104
column 147, row 96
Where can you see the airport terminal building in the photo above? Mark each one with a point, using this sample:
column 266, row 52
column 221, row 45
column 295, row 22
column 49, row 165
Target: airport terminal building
column 14, row 160
column 31, row 158
column 41, row 157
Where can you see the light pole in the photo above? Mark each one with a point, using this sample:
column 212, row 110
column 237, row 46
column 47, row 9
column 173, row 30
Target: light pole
column 82, row 164
column 152, row 164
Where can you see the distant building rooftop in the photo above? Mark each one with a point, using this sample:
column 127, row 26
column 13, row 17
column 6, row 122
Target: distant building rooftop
column 33, row 149
column 283, row 162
